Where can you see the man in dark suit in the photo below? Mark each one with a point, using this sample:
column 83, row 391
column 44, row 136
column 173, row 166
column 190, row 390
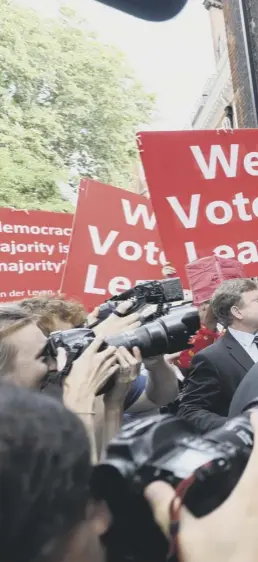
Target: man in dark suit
column 217, row 371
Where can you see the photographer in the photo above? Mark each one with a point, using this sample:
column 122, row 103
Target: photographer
column 157, row 383
column 48, row 515
column 23, row 362
column 22, row 345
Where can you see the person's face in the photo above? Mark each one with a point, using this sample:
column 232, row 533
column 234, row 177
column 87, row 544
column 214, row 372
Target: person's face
column 203, row 311
column 29, row 365
column 246, row 312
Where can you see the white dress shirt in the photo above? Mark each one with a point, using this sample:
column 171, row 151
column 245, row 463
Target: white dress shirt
column 247, row 341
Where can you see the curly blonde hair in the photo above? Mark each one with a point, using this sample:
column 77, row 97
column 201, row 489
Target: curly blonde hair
column 45, row 309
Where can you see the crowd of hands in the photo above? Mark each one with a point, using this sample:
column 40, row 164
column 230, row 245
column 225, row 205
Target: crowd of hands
column 228, row 534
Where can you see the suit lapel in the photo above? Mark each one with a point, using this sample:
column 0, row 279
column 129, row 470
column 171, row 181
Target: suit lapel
column 238, row 352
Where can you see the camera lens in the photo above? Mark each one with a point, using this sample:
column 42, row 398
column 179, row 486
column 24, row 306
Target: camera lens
column 169, row 334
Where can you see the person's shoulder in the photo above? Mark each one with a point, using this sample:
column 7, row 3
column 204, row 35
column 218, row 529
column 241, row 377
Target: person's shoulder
column 211, row 350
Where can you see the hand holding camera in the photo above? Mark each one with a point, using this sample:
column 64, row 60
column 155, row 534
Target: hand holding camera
column 88, row 374
column 128, row 369
column 168, row 270
column 115, row 324
column 91, row 371
column 202, row 469
column 229, row 532
column 128, row 364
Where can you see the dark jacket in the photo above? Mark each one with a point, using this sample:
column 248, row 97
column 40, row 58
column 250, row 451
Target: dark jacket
column 215, row 375
column 246, row 393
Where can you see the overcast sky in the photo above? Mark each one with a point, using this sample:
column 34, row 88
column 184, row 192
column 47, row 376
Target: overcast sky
column 173, row 59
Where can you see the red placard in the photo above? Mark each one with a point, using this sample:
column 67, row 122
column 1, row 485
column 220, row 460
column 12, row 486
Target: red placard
column 204, row 190
column 33, row 250
column 114, row 244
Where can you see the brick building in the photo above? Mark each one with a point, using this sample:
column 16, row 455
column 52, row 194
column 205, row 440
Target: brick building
column 234, row 29
column 241, row 17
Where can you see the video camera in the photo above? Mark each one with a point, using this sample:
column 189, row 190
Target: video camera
column 161, row 293
column 166, row 448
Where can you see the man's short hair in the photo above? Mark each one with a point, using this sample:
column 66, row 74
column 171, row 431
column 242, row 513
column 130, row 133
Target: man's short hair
column 229, row 294
column 44, row 309
column 12, row 318
column 44, row 475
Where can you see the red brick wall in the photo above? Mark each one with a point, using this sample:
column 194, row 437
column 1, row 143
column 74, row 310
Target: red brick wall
column 243, row 99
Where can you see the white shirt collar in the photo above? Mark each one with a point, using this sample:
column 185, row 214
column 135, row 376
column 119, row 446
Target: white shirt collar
column 244, row 338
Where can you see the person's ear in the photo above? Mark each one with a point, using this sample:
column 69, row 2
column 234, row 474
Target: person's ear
column 236, row 313
column 99, row 516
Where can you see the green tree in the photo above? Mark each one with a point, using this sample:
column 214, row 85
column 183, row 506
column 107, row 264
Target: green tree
column 70, row 106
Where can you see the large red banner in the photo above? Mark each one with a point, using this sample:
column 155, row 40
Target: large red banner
column 204, row 190
column 33, row 250
column 114, row 244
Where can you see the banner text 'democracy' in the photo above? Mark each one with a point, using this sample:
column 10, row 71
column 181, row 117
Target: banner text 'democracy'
column 33, row 250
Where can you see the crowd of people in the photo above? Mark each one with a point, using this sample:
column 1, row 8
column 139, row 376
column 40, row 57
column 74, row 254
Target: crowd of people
column 55, row 428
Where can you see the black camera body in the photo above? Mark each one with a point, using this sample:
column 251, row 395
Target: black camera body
column 160, row 293
column 165, row 448
column 154, row 292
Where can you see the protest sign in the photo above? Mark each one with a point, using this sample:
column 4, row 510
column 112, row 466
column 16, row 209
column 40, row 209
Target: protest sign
column 114, row 244
column 33, row 250
column 204, row 190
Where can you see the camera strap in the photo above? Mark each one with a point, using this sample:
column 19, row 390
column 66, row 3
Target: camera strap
column 174, row 554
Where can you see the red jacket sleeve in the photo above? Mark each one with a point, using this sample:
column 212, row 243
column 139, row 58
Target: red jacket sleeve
column 199, row 341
